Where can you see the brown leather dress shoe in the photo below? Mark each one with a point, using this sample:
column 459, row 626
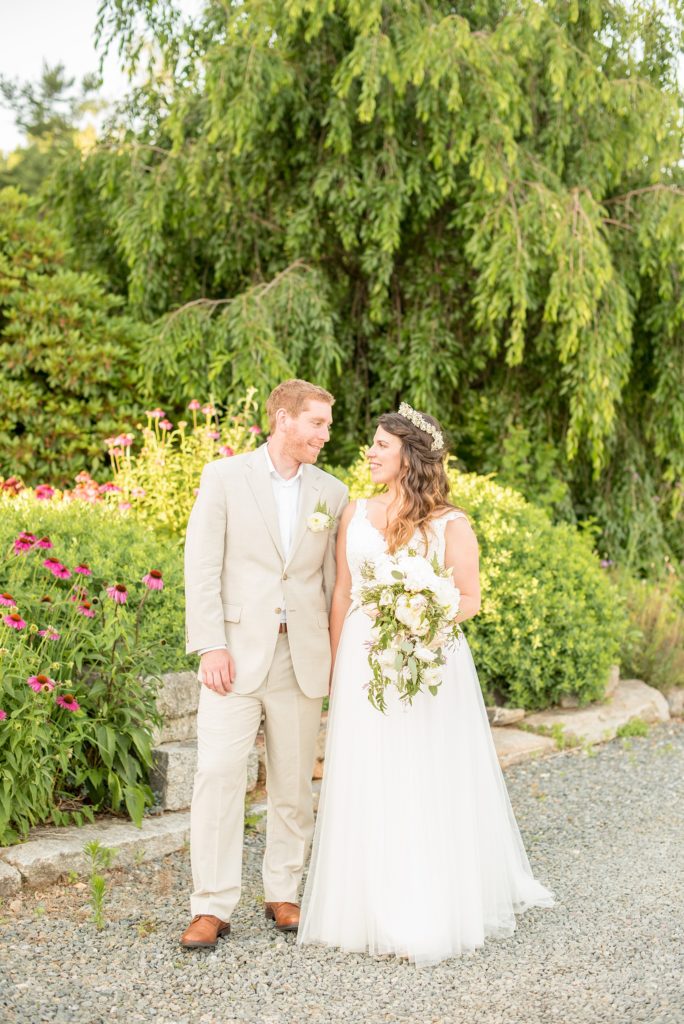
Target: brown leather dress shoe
column 204, row 931
column 285, row 915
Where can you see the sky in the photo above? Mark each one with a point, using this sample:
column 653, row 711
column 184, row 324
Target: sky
column 37, row 31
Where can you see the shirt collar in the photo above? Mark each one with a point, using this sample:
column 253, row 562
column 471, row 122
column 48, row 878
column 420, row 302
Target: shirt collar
column 274, row 472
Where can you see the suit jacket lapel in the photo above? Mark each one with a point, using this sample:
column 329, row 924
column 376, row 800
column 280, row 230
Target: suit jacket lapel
column 308, row 497
column 259, row 480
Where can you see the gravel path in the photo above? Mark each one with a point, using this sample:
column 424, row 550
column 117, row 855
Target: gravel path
column 605, row 830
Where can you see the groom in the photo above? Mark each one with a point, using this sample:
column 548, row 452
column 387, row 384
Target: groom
column 259, row 572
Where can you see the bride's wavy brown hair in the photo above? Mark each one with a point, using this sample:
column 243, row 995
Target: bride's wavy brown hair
column 422, row 483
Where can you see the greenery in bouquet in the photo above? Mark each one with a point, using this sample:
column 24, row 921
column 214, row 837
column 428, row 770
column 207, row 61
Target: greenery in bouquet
column 413, row 603
column 87, row 601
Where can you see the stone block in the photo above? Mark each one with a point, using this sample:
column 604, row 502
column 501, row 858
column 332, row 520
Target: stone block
column 173, row 774
column 178, row 695
column 675, row 699
column 505, row 716
column 176, row 730
column 515, row 745
column 600, row 722
column 52, row 852
column 10, row 880
column 613, row 680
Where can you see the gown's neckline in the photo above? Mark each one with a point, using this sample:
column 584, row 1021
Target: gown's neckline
column 363, row 504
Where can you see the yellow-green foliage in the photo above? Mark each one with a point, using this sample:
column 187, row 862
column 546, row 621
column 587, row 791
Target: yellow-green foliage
column 654, row 649
column 551, row 622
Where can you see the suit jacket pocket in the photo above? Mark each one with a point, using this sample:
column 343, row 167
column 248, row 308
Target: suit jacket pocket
column 323, row 620
column 232, row 612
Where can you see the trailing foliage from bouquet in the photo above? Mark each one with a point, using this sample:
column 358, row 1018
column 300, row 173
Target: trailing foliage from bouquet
column 414, row 604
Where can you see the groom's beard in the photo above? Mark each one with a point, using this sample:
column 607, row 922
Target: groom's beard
column 302, row 450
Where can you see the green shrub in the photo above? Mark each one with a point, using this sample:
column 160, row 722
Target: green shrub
column 78, row 740
column 653, row 649
column 551, row 622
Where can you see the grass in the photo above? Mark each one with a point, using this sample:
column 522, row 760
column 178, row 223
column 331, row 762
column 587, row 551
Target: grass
column 634, row 727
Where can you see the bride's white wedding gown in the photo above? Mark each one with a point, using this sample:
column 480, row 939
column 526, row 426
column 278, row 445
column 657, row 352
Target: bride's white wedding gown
column 416, row 850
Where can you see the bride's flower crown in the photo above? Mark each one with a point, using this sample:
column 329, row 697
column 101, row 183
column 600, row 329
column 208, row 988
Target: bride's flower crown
column 419, row 421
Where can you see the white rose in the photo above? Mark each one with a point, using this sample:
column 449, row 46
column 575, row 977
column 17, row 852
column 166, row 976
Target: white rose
column 433, row 676
column 386, row 598
column 318, row 522
column 383, row 570
column 387, row 658
column 424, row 653
column 371, row 609
column 418, row 573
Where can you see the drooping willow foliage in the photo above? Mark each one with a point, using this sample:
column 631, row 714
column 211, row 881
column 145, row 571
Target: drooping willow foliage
column 477, row 207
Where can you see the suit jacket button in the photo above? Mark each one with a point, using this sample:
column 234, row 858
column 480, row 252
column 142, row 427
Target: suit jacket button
column 284, row 576
column 278, row 611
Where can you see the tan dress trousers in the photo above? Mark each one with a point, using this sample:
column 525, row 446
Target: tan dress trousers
column 226, row 730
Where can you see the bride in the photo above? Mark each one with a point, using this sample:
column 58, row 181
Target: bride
column 416, row 851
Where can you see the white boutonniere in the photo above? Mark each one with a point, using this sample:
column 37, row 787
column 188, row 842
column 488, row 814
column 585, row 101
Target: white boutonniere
column 320, row 519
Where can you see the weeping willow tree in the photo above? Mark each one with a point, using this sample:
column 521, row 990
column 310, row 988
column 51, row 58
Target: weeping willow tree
column 476, row 207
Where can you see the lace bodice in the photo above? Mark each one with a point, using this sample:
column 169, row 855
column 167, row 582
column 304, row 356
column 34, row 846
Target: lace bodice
column 365, row 541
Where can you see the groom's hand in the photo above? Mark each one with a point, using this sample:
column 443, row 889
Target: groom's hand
column 218, row 671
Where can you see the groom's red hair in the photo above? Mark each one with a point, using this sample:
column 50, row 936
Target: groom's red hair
column 292, row 396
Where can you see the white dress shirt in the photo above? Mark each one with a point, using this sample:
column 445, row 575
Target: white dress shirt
column 286, row 495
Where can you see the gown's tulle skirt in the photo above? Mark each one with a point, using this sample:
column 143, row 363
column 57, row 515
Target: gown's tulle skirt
column 416, row 850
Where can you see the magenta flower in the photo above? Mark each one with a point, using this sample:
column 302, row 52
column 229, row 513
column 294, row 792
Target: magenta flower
column 57, row 569
column 41, row 683
column 83, row 570
column 14, row 621
column 7, row 600
column 254, row 429
column 44, row 542
column 108, row 488
column 153, row 580
column 49, row 634
column 194, row 405
column 3, row 715
column 68, row 702
column 124, row 440
column 138, row 492
column 44, row 492
column 156, row 414
column 215, row 435
column 118, row 593
column 85, row 608
column 165, row 425
column 208, row 409
column 124, row 506
column 24, row 542
column 226, row 451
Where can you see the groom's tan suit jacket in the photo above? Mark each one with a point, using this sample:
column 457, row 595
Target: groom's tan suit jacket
column 238, row 580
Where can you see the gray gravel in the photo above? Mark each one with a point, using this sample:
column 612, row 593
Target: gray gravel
column 605, row 830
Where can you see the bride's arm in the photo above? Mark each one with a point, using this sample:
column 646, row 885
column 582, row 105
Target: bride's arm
column 462, row 556
column 341, row 598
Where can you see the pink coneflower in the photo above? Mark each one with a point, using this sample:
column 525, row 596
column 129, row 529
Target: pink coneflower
column 13, row 484
column 57, row 569
column 226, row 451
column 24, row 542
column 138, row 492
column 49, row 634
column 68, row 702
column 156, row 414
column 108, row 488
column 124, row 506
column 7, row 600
column 118, row 593
column 14, row 621
column 165, row 425
column 153, row 580
column 46, row 599
column 194, row 405
column 45, row 543
column 83, row 570
column 85, row 608
column 208, row 409
column 78, row 594
column 3, row 715
column 254, row 429
column 41, row 682
column 124, row 440
column 44, row 492
column 215, row 435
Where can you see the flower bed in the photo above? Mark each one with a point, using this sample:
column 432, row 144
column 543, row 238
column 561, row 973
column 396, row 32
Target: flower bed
column 88, row 601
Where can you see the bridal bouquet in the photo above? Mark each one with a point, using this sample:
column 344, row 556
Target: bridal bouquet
column 414, row 603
